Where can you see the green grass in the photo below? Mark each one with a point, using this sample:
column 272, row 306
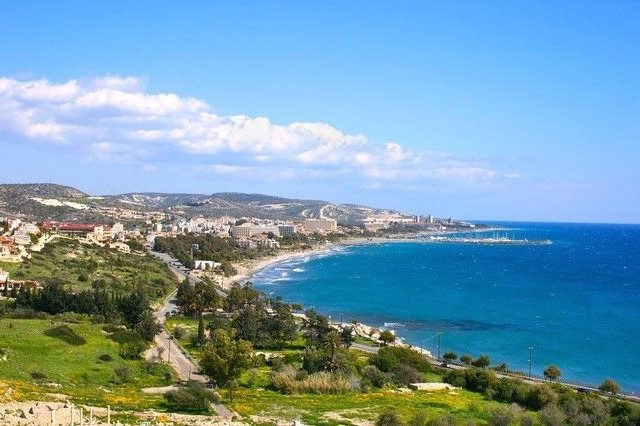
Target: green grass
column 345, row 409
column 79, row 265
column 74, row 370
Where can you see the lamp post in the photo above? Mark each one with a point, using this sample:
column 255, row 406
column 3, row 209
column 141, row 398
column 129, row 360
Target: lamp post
column 439, row 335
column 169, row 356
column 530, row 349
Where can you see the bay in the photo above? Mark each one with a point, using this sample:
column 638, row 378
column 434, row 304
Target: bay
column 575, row 302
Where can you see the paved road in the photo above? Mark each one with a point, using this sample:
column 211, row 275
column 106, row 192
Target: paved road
column 186, row 367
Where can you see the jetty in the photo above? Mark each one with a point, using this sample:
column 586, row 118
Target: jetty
column 486, row 241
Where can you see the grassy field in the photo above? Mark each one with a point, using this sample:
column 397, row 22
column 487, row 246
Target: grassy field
column 39, row 358
column 264, row 406
column 79, row 265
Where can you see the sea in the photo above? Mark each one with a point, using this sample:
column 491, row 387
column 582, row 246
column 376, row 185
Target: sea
column 574, row 303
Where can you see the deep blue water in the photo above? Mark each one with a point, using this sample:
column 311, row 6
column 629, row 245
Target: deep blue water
column 576, row 301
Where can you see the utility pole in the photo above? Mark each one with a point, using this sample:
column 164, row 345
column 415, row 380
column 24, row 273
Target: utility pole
column 530, row 349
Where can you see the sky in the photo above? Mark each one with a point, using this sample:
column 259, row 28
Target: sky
column 479, row 110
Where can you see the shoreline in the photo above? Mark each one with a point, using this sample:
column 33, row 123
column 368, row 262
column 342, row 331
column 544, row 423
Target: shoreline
column 248, row 268
column 255, row 267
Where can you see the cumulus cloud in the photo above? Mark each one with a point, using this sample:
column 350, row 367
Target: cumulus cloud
column 114, row 119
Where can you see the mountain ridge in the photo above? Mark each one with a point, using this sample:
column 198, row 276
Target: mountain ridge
column 49, row 201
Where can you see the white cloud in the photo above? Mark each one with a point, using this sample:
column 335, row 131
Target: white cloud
column 114, row 119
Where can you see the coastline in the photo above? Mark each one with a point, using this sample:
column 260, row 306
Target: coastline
column 540, row 360
column 247, row 269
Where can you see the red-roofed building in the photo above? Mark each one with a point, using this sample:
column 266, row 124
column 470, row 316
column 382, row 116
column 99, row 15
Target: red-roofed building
column 6, row 245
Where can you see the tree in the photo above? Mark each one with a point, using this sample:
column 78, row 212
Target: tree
column 552, row 373
column 347, row 336
column 333, row 342
column 466, row 359
column 483, row 361
column 387, row 337
column 450, row 357
column 224, row 359
column 610, row 386
column 148, row 327
column 316, row 328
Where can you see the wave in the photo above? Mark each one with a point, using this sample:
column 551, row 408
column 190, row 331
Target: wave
column 298, row 270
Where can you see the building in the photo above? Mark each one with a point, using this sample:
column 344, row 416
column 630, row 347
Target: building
column 287, row 230
column 248, row 230
column 242, row 231
column 6, row 245
column 320, row 225
column 206, row 264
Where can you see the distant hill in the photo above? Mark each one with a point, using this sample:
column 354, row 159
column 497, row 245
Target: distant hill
column 56, row 202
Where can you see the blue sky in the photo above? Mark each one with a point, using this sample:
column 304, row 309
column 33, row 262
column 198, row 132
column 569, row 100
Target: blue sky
column 477, row 110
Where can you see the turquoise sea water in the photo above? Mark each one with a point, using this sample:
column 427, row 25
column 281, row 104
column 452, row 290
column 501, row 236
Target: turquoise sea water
column 575, row 302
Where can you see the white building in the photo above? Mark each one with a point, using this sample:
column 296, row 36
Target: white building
column 206, row 264
column 320, row 225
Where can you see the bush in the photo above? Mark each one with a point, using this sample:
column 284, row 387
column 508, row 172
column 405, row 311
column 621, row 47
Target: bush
column 444, row 420
column 122, row 335
column 420, row 419
column 388, row 358
column 132, row 350
column 122, row 374
column 389, row 418
column 372, row 376
column 105, row 358
column 179, row 332
column 502, row 417
column 405, row 374
column 66, row 334
column 38, row 375
column 192, row 397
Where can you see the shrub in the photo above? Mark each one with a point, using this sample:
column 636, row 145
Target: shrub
column 420, row 419
column 132, row 350
column 122, row 335
column 179, row 332
column 405, row 374
column 66, row 334
column 105, row 358
column 388, row 358
column 372, row 376
column 389, row 418
column 192, row 397
column 444, row 420
column 502, row 417
column 122, row 374
column 38, row 375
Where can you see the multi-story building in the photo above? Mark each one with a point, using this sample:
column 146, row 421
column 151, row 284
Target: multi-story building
column 320, row 225
column 287, row 230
